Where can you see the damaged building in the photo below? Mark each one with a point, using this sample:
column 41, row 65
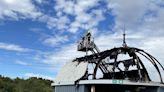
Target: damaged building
column 119, row 69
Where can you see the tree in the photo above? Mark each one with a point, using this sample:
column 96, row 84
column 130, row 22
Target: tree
column 29, row 85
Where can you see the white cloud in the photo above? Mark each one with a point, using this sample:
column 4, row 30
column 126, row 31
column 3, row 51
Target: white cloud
column 16, row 9
column 55, row 40
column 82, row 19
column 60, row 57
column 22, row 63
column 61, row 23
column 141, row 15
column 13, row 47
column 10, row 9
column 65, row 6
column 28, row 75
column 53, row 22
column 128, row 12
column 41, row 1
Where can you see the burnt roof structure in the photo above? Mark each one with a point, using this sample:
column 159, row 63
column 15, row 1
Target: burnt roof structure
column 139, row 74
column 131, row 70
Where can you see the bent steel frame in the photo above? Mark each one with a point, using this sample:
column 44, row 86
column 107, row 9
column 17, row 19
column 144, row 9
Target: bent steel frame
column 117, row 72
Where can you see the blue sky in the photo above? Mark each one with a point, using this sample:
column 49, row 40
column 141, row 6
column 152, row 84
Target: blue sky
column 37, row 37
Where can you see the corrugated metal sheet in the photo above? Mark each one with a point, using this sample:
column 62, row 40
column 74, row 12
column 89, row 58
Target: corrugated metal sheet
column 71, row 88
column 107, row 88
column 161, row 89
column 71, row 72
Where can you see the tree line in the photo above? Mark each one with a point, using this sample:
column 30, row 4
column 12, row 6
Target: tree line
column 32, row 84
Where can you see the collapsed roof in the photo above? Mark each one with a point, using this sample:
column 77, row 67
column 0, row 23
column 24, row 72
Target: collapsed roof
column 108, row 64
